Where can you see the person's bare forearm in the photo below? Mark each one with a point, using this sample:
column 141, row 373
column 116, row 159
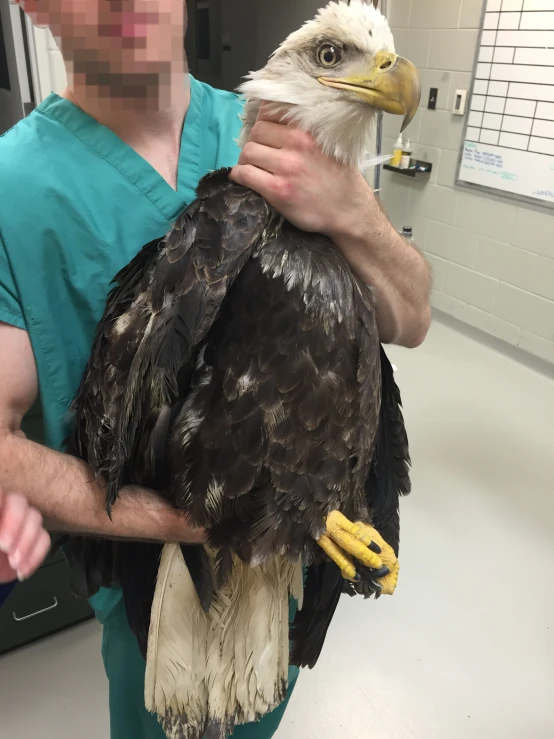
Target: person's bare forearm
column 395, row 269
column 64, row 490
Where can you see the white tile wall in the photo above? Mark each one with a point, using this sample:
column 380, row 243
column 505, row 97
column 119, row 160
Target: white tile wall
column 434, row 202
column 538, row 346
column 507, row 263
column 492, row 324
column 428, row 154
column 543, row 278
column 414, row 45
column 533, row 229
column 452, row 244
column 438, row 129
column 399, row 15
column 471, row 13
column 437, row 266
column 531, row 312
column 431, row 14
column 442, row 81
column 492, row 257
column 470, row 287
column 452, row 49
column 448, row 304
column 448, row 168
column 485, row 215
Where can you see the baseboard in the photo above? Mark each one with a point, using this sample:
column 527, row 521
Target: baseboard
column 514, row 352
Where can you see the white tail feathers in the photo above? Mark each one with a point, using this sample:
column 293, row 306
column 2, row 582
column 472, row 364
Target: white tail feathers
column 229, row 666
column 174, row 682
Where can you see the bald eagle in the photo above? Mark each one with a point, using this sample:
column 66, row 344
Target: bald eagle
column 237, row 370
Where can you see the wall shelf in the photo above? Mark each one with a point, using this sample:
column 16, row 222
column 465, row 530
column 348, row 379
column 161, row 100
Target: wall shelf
column 419, row 170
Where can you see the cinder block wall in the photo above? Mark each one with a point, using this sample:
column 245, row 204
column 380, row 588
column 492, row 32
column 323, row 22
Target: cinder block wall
column 493, row 257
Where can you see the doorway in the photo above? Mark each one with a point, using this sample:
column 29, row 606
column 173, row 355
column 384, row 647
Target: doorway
column 203, row 40
column 16, row 89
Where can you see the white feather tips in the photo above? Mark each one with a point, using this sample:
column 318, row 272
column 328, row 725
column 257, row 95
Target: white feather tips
column 176, row 643
column 227, row 667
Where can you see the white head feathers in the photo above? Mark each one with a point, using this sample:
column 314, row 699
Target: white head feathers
column 341, row 125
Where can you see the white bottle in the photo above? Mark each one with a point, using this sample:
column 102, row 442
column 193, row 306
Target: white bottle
column 397, row 152
column 406, row 156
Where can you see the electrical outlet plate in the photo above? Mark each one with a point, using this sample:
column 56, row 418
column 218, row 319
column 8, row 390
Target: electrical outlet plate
column 433, row 95
column 460, row 102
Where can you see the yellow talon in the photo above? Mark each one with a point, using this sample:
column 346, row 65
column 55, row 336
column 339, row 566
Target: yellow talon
column 356, row 548
column 344, row 562
column 345, row 541
column 389, row 582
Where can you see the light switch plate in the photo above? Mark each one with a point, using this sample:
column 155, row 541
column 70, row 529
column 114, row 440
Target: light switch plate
column 460, row 102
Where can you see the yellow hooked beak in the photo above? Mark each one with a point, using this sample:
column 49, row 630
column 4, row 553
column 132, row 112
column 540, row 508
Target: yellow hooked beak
column 391, row 83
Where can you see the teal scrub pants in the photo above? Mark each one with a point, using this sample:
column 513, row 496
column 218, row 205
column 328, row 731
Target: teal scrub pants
column 125, row 668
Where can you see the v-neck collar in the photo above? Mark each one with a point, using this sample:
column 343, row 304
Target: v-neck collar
column 106, row 144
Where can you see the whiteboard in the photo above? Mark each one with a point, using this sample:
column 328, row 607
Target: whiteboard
column 508, row 142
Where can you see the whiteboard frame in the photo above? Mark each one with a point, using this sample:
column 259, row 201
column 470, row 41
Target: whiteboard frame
column 472, row 185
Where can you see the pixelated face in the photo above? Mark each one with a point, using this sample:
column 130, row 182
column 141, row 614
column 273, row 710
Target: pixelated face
column 114, row 36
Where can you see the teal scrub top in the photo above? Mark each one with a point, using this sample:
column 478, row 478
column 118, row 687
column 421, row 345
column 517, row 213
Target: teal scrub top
column 76, row 205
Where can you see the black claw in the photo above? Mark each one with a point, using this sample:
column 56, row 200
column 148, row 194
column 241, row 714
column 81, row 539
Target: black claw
column 369, row 573
column 369, row 580
column 378, row 574
column 368, row 585
column 375, row 548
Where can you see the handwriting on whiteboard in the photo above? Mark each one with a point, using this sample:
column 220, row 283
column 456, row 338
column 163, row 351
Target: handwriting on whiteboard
column 484, row 158
column 546, row 194
column 491, row 162
column 509, row 170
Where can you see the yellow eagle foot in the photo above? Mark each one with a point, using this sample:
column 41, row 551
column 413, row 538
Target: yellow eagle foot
column 344, row 542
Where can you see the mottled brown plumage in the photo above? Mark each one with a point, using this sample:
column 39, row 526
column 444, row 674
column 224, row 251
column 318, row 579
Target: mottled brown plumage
column 237, row 371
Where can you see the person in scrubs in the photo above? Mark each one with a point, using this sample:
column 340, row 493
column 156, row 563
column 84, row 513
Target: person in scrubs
column 89, row 178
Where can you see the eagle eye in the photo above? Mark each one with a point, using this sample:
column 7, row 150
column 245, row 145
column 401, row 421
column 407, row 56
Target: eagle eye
column 328, row 55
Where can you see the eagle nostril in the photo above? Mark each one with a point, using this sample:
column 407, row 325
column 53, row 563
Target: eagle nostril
column 386, row 65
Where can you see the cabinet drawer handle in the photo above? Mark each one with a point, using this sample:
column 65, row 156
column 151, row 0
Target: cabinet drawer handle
column 36, row 613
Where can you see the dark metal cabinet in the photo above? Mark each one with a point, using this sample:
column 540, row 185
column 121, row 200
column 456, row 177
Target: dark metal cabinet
column 44, row 604
column 40, row 607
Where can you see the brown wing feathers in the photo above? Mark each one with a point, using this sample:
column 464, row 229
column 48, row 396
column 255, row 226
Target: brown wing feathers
column 164, row 303
column 237, row 370
column 388, row 479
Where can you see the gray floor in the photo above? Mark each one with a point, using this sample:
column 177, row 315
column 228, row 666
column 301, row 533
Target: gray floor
column 465, row 648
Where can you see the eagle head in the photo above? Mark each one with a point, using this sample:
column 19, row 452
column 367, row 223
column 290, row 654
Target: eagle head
column 332, row 76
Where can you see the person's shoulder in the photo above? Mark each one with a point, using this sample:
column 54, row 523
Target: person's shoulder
column 222, row 105
column 220, row 98
column 22, row 155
